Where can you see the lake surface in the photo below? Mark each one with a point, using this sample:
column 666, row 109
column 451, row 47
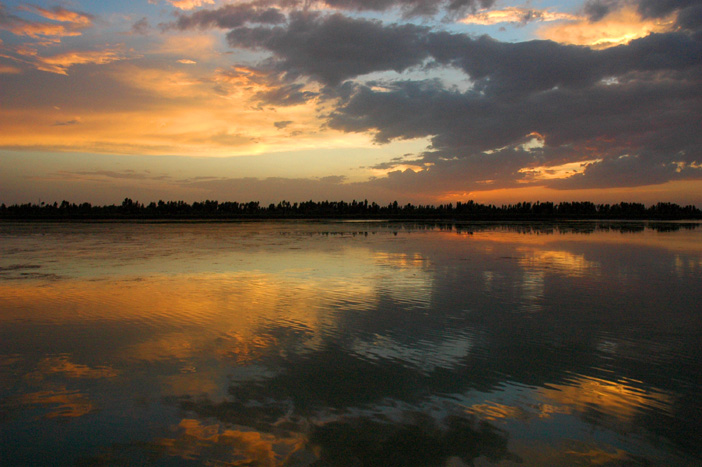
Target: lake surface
column 350, row 343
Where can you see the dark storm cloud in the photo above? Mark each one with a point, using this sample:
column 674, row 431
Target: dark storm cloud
column 660, row 8
column 633, row 110
column 513, row 69
column 623, row 171
column 270, row 11
column 598, row 9
column 499, row 169
column 334, row 48
column 689, row 12
column 286, row 95
column 229, row 16
column 691, row 18
column 655, row 120
column 411, row 7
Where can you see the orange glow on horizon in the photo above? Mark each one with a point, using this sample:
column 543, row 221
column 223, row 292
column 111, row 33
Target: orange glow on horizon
column 682, row 192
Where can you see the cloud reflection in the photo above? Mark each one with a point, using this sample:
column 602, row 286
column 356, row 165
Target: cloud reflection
column 57, row 403
column 621, row 401
column 231, row 446
column 274, row 344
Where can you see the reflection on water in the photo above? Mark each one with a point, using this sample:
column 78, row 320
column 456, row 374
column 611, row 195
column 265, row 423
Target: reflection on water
column 324, row 343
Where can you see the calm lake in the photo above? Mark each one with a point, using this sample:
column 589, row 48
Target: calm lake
column 350, row 343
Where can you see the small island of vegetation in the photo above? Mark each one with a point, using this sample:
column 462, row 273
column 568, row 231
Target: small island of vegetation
column 231, row 210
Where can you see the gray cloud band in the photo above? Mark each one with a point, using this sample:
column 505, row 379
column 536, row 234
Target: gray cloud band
column 632, row 110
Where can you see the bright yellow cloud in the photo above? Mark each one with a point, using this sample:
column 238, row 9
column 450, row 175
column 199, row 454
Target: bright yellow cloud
column 63, row 15
column 72, row 24
column 36, row 30
column 238, row 445
column 618, row 27
column 617, row 399
column 61, row 62
column 189, row 4
column 514, row 15
column 556, row 171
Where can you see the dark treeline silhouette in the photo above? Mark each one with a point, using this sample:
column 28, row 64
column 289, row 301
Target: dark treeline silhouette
column 469, row 210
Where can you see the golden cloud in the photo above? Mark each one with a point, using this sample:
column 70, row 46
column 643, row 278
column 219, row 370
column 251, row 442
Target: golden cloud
column 64, row 403
column 63, row 365
column 61, row 62
column 191, row 111
column 36, row 30
column 618, row 27
column 562, row 261
column 63, row 15
column 555, row 171
column 74, row 23
column 190, row 4
column 617, row 399
column 232, row 446
column 515, row 15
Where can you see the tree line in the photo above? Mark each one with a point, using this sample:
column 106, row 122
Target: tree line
column 469, row 210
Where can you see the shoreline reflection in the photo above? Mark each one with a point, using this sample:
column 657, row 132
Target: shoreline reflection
column 336, row 343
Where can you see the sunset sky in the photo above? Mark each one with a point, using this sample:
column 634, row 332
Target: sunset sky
column 422, row 101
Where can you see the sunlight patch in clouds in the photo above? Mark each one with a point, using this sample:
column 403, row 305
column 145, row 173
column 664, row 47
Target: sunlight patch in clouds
column 72, row 23
column 60, row 63
column 190, row 4
column 61, row 14
column 514, row 15
column 619, row 27
column 556, row 171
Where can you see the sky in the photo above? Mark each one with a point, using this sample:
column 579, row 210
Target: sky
column 420, row 101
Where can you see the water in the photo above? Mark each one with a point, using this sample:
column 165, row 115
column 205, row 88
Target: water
column 273, row 343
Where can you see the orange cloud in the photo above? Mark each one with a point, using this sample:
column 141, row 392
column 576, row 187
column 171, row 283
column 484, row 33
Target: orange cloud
column 64, row 403
column 64, row 366
column 199, row 112
column 9, row 70
column 514, row 15
column 63, row 15
column 231, row 446
column 190, row 4
column 35, row 30
column 73, row 23
column 555, row 171
column 617, row 399
column 618, row 27
column 60, row 63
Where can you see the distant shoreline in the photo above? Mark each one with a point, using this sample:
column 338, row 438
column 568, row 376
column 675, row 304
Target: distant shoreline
column 214, row 211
